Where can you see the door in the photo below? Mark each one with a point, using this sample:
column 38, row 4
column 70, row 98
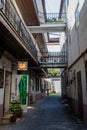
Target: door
column 80, row 97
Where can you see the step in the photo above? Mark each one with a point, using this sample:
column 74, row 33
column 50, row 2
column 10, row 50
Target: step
column 6, row 119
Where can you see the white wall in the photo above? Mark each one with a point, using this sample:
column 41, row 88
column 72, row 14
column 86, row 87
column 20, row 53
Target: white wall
column 72, row 90
column 57, row 85
column 83, row 29
column 72, row 43
column 77, row 35
column 4, row 64
column 40, row 9
column 39, row 5
column 62, row 40
column 1, row 95
column 15, row 82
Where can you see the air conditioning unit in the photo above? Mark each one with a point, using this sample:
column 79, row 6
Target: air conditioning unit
column 1, row 4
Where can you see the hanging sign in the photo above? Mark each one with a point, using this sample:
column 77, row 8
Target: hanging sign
column 22, row 65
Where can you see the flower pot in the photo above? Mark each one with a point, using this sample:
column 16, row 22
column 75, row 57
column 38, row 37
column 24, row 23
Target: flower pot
column 19, row 115
column 13, row 118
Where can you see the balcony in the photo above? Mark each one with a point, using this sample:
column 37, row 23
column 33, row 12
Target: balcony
column 54, row 22
column 54, row 59
column 14, row 19
column 55, row 17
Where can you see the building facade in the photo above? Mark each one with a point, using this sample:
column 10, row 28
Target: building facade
column 76, row 73
column 17, row 44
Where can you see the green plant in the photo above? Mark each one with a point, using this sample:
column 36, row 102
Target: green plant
column 54, row 72
column 16, row 110
column 52, row 92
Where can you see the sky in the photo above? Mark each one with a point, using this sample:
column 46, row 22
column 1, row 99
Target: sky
column 53, row 48
column 53, row 6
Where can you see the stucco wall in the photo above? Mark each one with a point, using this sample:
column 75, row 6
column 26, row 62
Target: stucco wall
column 79, row 66
column 77, row 35
column 40, row 10
column 82, row 30
column 57, row 85
column 5, row 65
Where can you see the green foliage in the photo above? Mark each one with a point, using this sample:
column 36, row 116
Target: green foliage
column 15, row 107
column 52, row 93
column 51, row 20
column 54, row 72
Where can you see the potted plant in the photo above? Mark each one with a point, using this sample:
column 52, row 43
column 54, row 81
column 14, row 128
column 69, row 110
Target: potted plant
column 16, row 110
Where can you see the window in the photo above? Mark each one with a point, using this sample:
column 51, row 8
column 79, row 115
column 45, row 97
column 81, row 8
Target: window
column 77, row 16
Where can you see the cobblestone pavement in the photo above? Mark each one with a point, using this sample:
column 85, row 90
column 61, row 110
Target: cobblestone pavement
column 47, row 114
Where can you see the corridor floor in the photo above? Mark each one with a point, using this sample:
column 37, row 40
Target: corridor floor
column 47, row 114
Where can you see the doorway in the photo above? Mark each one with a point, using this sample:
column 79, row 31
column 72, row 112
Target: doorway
column 7, row 91
column 80, row 97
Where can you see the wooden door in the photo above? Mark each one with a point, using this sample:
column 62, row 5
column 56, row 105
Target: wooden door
column 80, row 97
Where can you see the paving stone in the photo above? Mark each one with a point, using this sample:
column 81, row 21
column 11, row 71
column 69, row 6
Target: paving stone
column 47, row 114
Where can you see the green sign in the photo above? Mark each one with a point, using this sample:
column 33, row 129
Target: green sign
column 23, row 89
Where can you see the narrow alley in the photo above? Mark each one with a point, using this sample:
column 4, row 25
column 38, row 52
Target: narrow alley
column 49, row 113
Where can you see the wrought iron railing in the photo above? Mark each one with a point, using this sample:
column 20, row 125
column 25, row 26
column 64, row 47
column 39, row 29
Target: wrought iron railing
column 52, row 17
column 13, row 17
column 54, row 58
column 55, row 17
column 49, row 17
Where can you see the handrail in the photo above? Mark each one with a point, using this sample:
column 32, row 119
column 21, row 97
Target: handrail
column 53, row 17
column 54, row 57
column 14, row 18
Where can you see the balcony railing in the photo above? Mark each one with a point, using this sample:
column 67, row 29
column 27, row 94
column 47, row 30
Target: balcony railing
column 13, row 17
column 54, row 58
column 52, row 17
column 55, row 17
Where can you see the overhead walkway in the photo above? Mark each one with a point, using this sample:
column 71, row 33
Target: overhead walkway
column 57, row 65
column 54, row 22
column 54, row 60
column 48, row 27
